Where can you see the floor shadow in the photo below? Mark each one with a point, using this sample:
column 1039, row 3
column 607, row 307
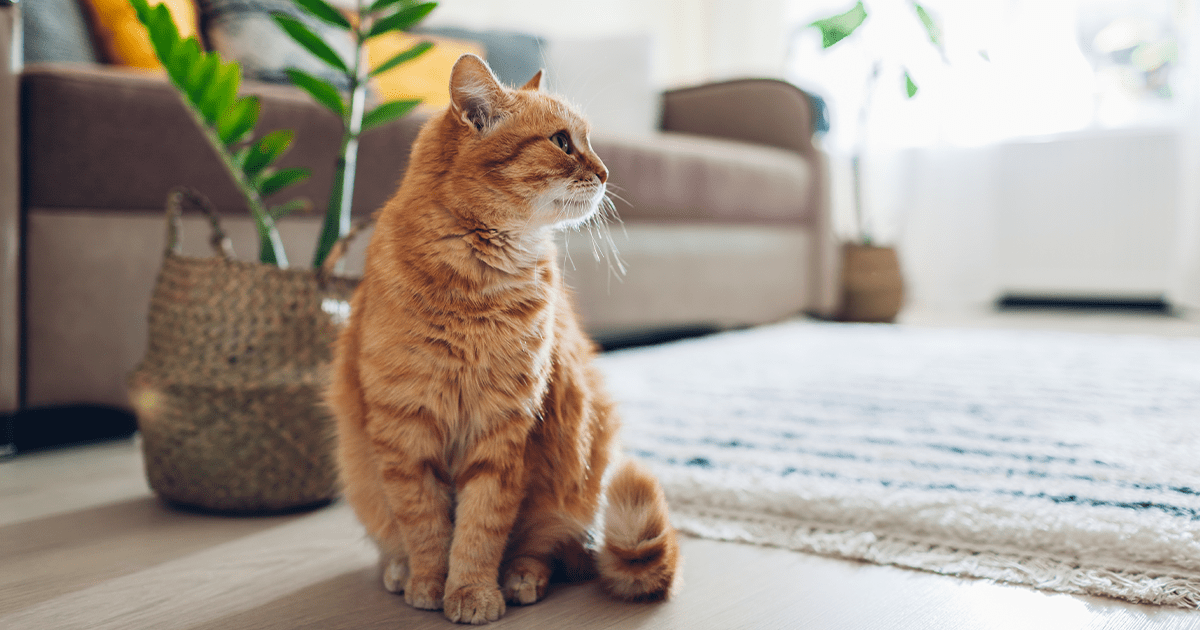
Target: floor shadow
column 358, row 600
column 50, row 556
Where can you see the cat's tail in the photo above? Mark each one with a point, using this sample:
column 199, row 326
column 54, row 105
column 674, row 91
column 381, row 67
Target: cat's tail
column 640, row 554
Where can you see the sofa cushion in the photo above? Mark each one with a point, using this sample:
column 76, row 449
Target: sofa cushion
column 123, row 38
column 243, row 31
column 427, row 77
column 685, row 178
column 514, row 57
column 102, row 138
column 56, row 31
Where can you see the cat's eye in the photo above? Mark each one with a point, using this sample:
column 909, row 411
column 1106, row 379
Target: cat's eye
column 563, row 141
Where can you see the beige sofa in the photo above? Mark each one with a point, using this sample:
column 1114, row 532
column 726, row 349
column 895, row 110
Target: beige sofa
column 726, row 215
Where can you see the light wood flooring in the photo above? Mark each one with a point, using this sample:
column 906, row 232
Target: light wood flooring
column 84, row 544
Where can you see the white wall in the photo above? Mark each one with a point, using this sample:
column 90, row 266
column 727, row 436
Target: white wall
column 942, row 203
column 695, row 40
column 1085, row 214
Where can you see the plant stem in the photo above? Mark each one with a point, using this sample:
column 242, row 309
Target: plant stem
column 341, row 197
column 270, row 244
column 864, row 232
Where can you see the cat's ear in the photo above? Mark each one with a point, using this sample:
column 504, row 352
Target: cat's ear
column 475, row 93
column 535, row 83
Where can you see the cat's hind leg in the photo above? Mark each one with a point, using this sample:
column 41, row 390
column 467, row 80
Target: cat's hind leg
column 395, row 573
column 525, row 579
column 537, row 545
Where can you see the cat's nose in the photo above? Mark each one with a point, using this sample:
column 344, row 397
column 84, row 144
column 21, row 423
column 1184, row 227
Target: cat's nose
column 598, row 167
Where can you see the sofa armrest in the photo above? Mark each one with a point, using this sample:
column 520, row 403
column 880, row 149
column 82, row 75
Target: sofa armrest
column 10, row 209
column 773, row 113
column 761, row 111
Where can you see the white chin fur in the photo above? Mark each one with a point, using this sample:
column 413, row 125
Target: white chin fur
column 569, row 213
column 573, row 214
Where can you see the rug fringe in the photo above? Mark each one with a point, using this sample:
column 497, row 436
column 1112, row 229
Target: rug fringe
column 1043, row 573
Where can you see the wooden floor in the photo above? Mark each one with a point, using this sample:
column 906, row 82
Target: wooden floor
column 84, row 544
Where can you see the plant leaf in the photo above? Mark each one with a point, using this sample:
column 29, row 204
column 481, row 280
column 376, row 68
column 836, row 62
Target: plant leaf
column 295, row 205
column 162, row 30
column 309, row 40
column 183, row 58
column 402, row 19
column 141, row 8
column 387, row 112
column 319, row 89
column 407, row 55
column 221, row 92
column 326, row 13
column 266, row 151
column 238, row 120
column 836, row 28
column 383, row 4
column 909, row 87
column 931, row 25
column 202, row 75
column 279, row 180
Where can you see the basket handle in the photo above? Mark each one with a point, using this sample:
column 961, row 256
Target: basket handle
column 219, row 241
column 329, row 267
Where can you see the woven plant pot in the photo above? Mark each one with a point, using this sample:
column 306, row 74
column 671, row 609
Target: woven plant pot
column 229, row 394
column 872, row 285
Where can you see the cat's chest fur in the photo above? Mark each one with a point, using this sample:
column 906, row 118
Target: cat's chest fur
column 468, row 356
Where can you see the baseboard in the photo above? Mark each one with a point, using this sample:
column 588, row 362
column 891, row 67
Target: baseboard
column 50, row 427
column 621, row 339
column 1156, row 304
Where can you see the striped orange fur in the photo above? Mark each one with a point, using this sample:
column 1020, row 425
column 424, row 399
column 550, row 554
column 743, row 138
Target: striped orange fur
column 474, row 431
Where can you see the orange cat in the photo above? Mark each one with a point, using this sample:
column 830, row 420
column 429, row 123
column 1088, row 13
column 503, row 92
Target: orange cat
column 474, row 431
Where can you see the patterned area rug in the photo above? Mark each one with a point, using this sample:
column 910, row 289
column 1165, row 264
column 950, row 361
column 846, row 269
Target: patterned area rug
column 1066, row 462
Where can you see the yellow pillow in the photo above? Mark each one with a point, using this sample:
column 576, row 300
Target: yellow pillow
column 124, row 39
column 427, row 77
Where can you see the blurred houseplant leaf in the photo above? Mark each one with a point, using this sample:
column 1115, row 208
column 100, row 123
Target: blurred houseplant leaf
column 208, row 88
column 382, row 16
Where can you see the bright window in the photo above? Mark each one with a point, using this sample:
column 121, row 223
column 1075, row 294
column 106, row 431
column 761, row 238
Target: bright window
column 1012, row 68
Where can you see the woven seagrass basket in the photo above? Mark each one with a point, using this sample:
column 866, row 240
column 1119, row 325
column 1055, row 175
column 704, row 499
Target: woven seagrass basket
column 229, row 394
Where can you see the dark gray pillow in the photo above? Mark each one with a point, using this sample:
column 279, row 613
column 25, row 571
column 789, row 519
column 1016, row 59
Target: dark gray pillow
column 56, row 31
column 514, row 57
column 243, row 31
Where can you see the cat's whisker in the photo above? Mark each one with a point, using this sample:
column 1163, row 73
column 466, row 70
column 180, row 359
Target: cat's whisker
column 612, row 185
column 614, row 195
column 603, row 245
column 567, row 253
column 610, row 210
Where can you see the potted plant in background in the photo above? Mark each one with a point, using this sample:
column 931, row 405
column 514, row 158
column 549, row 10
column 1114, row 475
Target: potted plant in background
column 872, row 288
column 228, row 396
column 378, row 18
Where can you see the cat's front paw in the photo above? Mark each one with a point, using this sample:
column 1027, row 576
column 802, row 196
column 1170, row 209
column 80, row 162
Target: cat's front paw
column 525, row 580
column 425, row 591
column 478, row 603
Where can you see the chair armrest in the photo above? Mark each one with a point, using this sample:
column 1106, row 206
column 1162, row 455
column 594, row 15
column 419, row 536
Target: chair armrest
column 761, row 111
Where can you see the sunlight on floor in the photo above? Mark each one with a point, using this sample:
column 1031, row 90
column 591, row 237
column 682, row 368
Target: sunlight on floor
column 1012, row 607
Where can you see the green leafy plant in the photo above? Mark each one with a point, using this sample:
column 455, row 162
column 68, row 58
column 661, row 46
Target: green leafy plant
column 838, row 27
column 208, row 88
column 378, row 18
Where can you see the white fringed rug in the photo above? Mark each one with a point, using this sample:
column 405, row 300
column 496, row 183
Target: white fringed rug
column 1062, row 461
